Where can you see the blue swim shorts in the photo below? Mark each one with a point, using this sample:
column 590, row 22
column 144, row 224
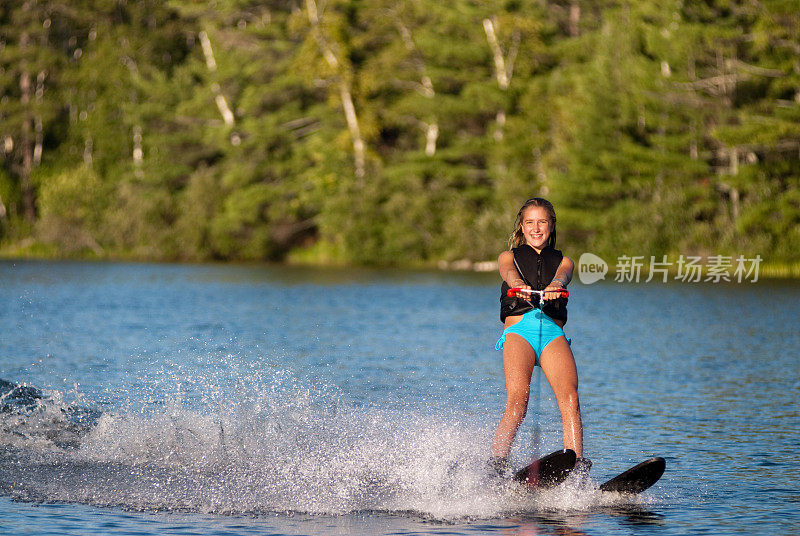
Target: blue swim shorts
column 535, row 327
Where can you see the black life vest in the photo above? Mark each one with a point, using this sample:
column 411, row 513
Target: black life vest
column 538, row 271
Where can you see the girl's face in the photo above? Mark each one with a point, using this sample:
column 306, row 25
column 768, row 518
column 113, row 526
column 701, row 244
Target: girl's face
column 536, row 227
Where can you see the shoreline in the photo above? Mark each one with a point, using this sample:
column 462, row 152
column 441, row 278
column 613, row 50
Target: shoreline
column 767, row 270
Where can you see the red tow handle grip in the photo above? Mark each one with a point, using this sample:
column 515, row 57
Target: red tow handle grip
column 512, row 292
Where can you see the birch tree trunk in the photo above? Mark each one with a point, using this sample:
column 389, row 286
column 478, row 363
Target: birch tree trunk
column 138, row 152
column 503, row 68
column 351, row 117
column 425, row 89
column 574, row 19
column 88, row 148
column 38, row 127
column 26, row 141
column 693, row 145
column 431, row 135
column 219, row 98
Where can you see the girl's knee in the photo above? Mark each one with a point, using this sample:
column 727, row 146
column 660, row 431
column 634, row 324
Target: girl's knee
column 570, row 402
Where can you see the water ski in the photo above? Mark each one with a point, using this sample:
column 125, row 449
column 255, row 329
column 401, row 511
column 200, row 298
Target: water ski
column 548, row 471
column 638, row 478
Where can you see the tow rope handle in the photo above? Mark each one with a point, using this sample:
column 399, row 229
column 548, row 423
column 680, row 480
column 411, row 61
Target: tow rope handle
column 516, row 291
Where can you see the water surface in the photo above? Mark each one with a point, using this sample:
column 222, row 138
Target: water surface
column 253, row 399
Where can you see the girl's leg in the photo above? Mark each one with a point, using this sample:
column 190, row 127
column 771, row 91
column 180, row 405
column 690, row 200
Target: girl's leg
column 558, row 365
column 518, row 362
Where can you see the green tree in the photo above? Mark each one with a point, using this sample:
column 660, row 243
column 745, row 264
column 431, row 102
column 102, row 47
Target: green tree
column 35, row 37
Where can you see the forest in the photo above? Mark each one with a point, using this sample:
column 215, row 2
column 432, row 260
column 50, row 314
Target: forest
column 401, row 133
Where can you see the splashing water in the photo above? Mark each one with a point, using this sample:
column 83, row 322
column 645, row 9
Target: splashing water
column 277, row 446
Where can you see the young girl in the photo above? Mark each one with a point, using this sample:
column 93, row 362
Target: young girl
column 534, row 336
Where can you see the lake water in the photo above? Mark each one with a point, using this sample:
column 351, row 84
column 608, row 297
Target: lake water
column 183, row 399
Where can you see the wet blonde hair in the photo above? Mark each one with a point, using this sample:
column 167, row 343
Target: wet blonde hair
column 517, row 238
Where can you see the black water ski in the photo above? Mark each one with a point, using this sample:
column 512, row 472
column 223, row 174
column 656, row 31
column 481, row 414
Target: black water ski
column 548, row 471
column 637, row 478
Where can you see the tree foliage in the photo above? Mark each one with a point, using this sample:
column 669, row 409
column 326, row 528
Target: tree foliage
column 397, row 132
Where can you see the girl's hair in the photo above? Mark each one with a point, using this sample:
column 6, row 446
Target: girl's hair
column 517, row 238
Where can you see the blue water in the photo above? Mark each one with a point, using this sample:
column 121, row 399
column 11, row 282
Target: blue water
column 272, row 400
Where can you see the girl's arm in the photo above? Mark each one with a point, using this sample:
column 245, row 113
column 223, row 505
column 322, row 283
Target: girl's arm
column 564, row 272
column 561, row 280
column 508, row 271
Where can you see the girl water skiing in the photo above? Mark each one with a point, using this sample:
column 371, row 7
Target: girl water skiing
column 532, row 335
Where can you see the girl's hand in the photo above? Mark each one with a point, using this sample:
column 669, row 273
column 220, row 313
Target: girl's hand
column 523, row 287
column 553, row 290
